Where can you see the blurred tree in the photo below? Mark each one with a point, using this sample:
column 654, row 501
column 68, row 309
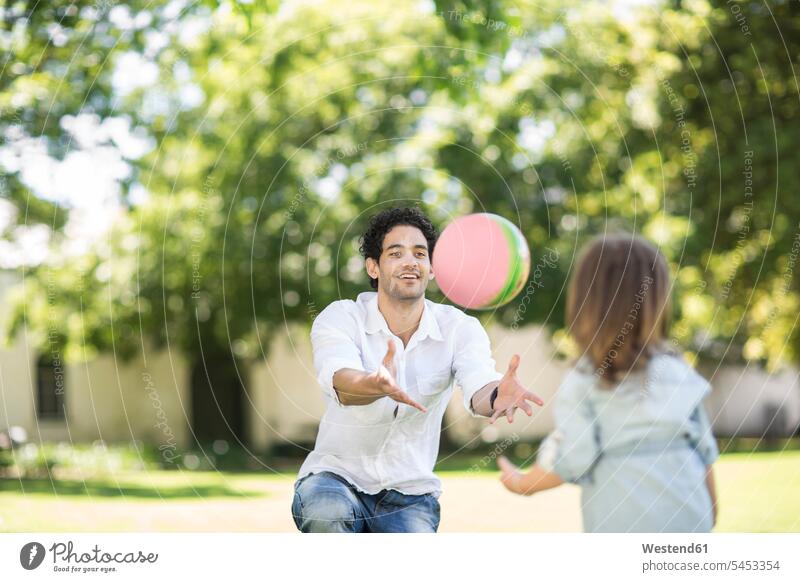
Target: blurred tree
column 54, row 67
column 280, row 130
column 672, row 123
column 728, row 134
column 278, row 136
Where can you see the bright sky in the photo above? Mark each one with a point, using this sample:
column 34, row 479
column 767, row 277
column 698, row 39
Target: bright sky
column 87, row 180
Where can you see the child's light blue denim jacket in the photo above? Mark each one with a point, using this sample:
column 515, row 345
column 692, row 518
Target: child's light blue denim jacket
column 639, row 450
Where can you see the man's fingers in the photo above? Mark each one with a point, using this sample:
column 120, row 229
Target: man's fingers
column 404, row 398
column 497, row 414
column 526, row 407
column 510, row 414
column 533, row 398
column 513, row 365
column 391, row 389
column 389, row 357
column 416, row 405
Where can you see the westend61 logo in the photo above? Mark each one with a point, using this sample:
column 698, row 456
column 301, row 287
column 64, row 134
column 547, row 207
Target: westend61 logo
column 65, row 559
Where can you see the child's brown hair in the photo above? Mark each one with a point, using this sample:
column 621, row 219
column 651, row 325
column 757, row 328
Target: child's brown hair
column 618, row 303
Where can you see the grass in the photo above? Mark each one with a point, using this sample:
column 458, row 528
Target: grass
column 759, row 492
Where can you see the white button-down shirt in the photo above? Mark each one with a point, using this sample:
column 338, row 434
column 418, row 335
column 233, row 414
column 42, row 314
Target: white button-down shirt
column 387, row 445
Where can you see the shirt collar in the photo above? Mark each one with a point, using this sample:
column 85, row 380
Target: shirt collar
column 375, row 322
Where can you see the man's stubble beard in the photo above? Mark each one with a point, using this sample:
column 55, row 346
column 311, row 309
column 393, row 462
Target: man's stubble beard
column 395, row 292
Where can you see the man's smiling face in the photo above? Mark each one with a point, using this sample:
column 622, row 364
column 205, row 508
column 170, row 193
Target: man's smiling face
column 404, row 268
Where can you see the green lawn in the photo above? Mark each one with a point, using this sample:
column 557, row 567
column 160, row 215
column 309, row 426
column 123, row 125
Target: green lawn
column 759, row 492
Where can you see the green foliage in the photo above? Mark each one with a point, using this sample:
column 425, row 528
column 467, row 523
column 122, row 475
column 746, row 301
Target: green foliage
column 53, row 66
column 58, row 460
column 566, row 118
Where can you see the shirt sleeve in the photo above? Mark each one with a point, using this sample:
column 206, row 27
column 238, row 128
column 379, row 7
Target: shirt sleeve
column 473, row 364
column 703, row 437
column 333, row 341
column 573, row 448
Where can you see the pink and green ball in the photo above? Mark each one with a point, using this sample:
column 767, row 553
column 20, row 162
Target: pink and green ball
column 481, row 261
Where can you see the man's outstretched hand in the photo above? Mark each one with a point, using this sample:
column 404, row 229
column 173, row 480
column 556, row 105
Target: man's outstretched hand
column 512, row 395
column 384, row 379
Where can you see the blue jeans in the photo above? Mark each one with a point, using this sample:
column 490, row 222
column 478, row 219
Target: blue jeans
column 326, row 503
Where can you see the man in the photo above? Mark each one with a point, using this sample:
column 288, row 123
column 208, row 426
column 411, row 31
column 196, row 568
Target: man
column 386, row 363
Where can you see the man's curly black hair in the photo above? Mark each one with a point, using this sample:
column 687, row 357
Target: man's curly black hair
column 372, row 240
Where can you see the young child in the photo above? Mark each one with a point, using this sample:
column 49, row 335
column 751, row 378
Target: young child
column 630, row 427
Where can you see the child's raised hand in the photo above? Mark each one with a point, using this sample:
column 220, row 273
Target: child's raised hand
column 536, row 479
column 510, row 475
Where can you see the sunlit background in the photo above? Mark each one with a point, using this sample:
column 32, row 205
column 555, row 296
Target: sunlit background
column 183, row 184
